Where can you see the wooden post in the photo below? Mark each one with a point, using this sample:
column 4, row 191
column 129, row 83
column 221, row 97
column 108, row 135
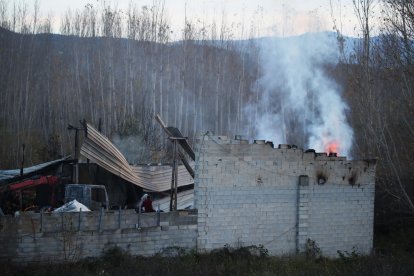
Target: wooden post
column 85, row 129
column 173, row 199
column 176, row 155
column 161, row 122
column 22, row 163
column 76, row 167
column 75, row 175
column 75, row 155
column 176, row 182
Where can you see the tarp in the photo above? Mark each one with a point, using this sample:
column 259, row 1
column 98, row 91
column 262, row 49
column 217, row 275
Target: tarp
column 72, row 206
column 99, row 149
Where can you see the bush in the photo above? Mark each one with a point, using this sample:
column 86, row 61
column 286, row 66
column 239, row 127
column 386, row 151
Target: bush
column 312, row 250
column 251, row 260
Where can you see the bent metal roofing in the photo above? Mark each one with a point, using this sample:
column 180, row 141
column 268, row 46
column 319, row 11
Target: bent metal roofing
column 99, row 149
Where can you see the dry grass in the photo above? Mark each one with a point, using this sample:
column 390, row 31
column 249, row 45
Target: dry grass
column 393, row 256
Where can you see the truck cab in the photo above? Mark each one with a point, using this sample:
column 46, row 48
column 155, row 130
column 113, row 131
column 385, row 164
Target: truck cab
column 92, row 196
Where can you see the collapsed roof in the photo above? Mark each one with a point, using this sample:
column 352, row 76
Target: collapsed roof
column 99, row 149
column 185, row 200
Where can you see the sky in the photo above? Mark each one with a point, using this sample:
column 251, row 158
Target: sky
column 269, row 17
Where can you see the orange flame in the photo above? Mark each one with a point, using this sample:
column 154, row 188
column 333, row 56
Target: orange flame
column 332, row 147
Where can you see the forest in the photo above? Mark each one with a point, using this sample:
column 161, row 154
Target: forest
column 118, row 69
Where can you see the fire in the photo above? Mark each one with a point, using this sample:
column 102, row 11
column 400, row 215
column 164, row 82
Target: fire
column 332, row 147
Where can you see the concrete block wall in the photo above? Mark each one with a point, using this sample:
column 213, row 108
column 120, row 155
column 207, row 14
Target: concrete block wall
column 249, row 194
column 246, row 194
column 55, row 237
column 341, row 216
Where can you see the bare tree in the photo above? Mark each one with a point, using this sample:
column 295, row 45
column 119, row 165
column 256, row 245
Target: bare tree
column 382, row 109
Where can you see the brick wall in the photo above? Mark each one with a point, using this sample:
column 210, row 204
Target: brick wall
column 251, row 194
column 35, row 237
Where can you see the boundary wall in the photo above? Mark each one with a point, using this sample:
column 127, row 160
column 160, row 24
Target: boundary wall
column 58, row 237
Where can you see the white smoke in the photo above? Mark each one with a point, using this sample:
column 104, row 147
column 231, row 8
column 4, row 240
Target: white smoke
column 133, row 148
column 296, row 99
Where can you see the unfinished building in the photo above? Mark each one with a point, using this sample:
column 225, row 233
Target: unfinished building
column 282, row 198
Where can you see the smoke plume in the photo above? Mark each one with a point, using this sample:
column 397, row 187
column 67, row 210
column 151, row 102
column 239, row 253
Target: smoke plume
column 133, row 147
column 296, row 102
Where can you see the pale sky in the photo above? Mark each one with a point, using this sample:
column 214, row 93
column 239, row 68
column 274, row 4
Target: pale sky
column 269, row 17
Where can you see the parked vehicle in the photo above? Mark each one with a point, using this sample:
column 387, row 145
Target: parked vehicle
column 92, row 196
column 47, row 192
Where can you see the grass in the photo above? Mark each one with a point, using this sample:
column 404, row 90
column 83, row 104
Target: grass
column 393, row 255
column 221, row 262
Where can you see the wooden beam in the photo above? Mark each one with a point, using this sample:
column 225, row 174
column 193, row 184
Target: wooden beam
column 163, row 125
column 186, row 164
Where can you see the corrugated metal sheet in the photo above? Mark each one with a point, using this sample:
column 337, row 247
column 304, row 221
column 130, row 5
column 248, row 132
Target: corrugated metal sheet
column 99, row 149
column 9, row 176
column 185, row 200
column 159, row 177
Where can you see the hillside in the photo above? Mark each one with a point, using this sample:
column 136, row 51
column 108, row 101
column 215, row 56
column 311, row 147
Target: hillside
column 49, row 81
column 295, row 90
